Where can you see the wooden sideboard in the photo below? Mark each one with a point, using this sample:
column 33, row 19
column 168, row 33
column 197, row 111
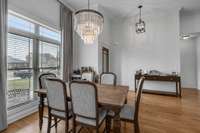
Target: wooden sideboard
column 163, row 78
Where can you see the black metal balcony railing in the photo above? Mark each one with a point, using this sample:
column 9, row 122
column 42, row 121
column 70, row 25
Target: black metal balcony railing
column 18, row 93
column 18, row 96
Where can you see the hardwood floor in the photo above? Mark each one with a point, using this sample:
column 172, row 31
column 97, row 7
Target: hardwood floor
column 158, row 114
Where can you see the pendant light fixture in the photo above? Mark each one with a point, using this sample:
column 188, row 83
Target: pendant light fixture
column 140, row 26
column 88, row 24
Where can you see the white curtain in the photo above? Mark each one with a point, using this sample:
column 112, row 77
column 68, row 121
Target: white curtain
column 3, row 64
column 67, row 41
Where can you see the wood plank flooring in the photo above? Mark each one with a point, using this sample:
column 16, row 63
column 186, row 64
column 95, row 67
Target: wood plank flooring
column 158, row 114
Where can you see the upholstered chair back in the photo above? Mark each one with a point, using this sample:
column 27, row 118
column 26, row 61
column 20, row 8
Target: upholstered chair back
column 56, row 94
column 108, row 78
column 44, row 76
column 88, row 76
column 84, row 98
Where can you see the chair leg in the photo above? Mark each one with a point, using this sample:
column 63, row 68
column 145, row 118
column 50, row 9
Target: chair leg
column 136, row 127
column 74, row 125
column 97, row 130
column 56, row 124
column 66, row 126
column 108, row 124
column 49, row 123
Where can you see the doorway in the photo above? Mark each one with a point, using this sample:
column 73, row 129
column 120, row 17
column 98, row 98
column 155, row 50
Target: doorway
column 105, row 59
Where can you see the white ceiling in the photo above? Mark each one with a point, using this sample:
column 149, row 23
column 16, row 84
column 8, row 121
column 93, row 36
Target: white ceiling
column 125, row 8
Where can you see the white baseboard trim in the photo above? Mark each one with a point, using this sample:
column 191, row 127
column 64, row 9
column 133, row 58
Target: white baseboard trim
column 22, row 111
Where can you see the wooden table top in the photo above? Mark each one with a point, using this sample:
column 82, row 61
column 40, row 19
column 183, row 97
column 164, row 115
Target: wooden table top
column 108, row 95
column 112, row 95
column 159, row 77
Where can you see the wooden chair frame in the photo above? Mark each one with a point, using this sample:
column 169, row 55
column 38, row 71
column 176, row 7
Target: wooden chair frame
column 137, row 105
column 66, row 111
column 40, row 108
column 97, row 111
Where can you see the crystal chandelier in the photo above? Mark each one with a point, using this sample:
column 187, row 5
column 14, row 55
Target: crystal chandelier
column 140, row 26
column 88, row 24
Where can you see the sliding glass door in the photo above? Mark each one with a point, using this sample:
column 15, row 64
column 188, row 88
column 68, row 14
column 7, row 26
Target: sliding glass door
column 32, row 49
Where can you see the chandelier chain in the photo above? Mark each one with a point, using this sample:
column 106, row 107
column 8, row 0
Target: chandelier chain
column 88, row 4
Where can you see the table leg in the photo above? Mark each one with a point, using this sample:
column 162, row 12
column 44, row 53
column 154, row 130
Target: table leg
column 180, row 89
column 41, row 111
column 108, row 124
column 135, row 84
column 177, row 89
column 117, row 122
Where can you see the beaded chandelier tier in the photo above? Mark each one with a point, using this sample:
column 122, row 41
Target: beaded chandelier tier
column 140, row 26
column 88, row 24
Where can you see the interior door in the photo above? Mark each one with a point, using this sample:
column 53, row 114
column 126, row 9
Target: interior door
column 105, row 59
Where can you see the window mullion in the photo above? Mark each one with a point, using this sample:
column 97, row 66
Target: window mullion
column 36, row 57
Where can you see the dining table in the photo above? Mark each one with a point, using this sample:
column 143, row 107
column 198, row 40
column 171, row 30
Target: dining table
column 110, row 97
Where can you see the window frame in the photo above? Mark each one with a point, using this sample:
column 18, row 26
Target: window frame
column 59, row 57
column 22, row 68
column 36, row 37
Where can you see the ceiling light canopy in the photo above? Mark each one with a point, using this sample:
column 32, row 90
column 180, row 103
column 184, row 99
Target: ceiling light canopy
column 140, row 25
column 88, row 24
column 186, row 37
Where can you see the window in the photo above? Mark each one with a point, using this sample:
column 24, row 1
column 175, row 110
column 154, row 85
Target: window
column 45, row 32
column 20, row 24
column 49, row 57
column 19, row 52
column 32, row 49
column 20, row 73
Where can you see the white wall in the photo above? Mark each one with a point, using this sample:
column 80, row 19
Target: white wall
column 87, row 55
column 105, row 39
column 190, row 25
column 198, row 61
column 118, row 43
column 44, row 11
column 188, row 63
column 157, row 49
column 189, row 22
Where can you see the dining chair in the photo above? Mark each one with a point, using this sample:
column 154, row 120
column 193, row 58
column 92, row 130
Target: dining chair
column 86, row 111
column 41, row 78
column 88, row 76
column 59, row 105
column 108, row 78
column 129, row 113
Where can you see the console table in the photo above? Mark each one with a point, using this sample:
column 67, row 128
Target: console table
column 163, row 78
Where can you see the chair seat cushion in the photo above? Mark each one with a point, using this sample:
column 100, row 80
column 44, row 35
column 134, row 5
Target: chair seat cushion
column 127, row 112
column 92, row 122
column 61, row 114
